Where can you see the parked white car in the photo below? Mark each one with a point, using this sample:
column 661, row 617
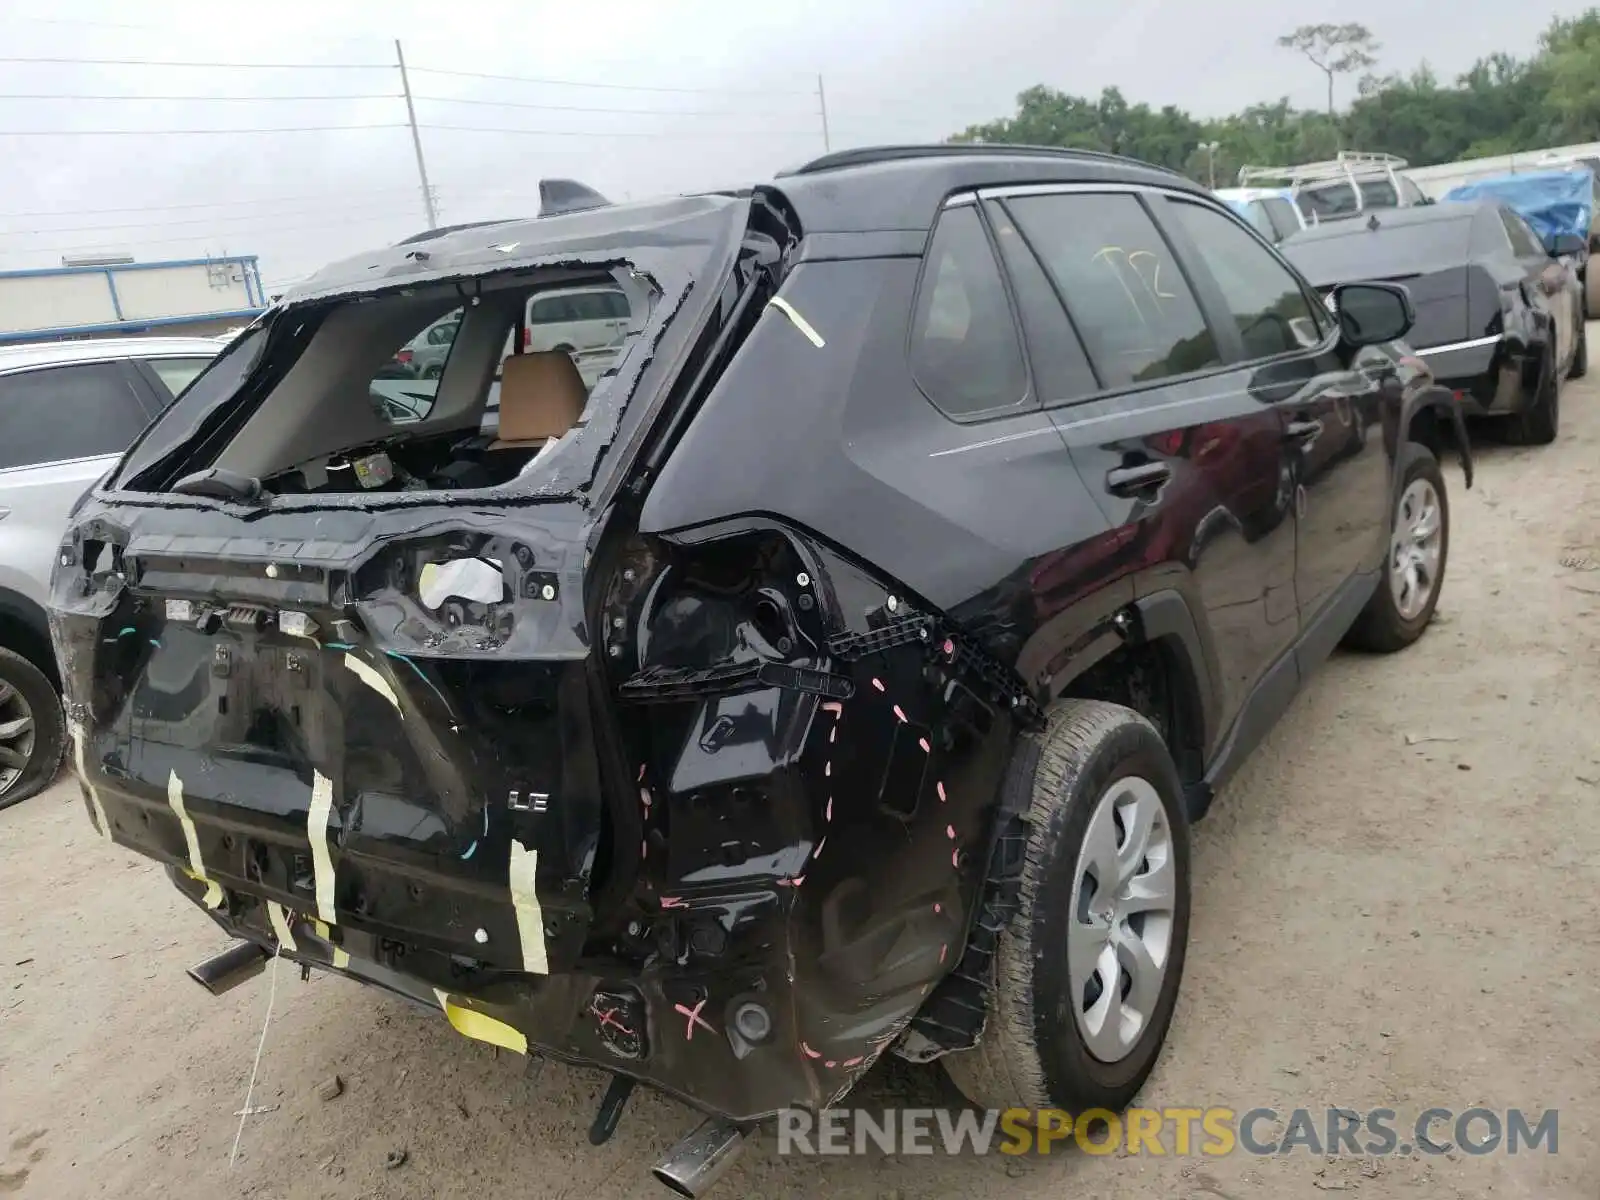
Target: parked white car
column 67, row 412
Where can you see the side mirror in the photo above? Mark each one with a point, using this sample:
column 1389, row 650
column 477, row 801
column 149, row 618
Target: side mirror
column 1373, row 313
column 1568, row 245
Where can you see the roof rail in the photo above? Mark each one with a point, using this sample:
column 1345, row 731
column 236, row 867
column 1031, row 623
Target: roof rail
column 1346, row 164
column 868, row 155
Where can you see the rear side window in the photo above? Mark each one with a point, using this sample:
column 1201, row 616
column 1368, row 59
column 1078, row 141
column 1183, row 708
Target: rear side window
column 1524, row 243
column 1123, row 290
column 176, row 374
column 1281, row 213
column 965, row 354
column 63, row 413
column 1266, row 300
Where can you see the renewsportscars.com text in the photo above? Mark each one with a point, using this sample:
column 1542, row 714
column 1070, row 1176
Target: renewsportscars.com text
column 1207, row 1132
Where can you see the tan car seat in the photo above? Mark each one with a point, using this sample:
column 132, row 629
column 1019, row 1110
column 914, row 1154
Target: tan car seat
column 541, row 397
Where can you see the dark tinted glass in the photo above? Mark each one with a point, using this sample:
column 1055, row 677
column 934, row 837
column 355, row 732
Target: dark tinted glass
column 1524, row 242
column 1121, row 283
column 1282, row 215
column 1266, row 300
column 964, row 349
column 1061, row 369
column 67, row 412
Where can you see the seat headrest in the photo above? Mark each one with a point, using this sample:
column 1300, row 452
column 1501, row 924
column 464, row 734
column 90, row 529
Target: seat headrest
column 541, row 396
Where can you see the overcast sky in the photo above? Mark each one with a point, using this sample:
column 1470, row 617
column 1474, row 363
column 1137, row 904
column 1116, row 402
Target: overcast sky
column 735, row 100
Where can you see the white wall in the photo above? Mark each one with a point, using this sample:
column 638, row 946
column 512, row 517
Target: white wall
column 181, row 291
column 51, row 301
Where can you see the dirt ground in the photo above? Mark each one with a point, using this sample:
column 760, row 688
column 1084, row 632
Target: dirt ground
column 1376, row 923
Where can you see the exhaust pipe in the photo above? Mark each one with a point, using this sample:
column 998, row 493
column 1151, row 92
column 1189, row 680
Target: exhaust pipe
column 226, row 971
column 695, row 1164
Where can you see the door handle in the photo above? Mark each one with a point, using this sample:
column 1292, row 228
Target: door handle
column 1302, row 433
column 1133, row 481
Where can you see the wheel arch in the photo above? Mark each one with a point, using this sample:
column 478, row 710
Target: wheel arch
column 1432, row 418
column 25, row 628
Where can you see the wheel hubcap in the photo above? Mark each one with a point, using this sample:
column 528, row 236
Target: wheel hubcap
column 1119, row 941
column 16, row 736
column 1415, row 547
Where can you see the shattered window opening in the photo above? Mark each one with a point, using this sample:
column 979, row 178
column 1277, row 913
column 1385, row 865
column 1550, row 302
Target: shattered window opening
column 415, row 392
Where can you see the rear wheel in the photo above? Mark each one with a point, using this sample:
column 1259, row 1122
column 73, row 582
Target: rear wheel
column 1088, row 971
column 1413, row 573
column 1540, row 418
column 32, row 731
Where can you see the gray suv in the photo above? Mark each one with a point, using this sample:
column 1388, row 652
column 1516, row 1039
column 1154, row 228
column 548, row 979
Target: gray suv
column 67, row 412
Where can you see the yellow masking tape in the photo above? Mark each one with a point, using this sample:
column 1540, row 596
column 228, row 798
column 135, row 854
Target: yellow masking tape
column 317, row 817
column 279, row 916
column 102, row 826
column 341, row 956
column 481, row 1028
column 372, row 679
column 530, row 918
column 197, row 865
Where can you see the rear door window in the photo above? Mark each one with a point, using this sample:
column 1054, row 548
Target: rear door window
column 62, row 413
column 1123, row 289
column 1524, row 242
column 1281, row 213
column 965, row 354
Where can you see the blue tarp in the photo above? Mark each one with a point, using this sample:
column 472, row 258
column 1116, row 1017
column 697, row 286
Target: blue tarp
column 1553, row 202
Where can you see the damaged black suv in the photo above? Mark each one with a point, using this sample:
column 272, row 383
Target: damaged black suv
column 831, row 666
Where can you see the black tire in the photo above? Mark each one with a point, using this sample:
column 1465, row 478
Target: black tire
column 1032, row 1054
column 1380, row 627
column 1540, row 419
column 1580, row 356
column 49, row 726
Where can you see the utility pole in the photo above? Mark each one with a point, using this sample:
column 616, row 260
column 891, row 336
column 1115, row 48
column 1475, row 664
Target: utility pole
column 822, row 103
column 416, row 138
column 1211, row 149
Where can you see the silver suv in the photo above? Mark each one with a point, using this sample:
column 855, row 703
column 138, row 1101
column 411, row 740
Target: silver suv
column 67, row 412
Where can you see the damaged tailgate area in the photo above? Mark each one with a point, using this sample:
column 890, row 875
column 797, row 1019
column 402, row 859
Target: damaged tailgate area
column 400, row 690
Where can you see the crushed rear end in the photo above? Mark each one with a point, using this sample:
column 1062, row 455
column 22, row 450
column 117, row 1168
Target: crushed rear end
column 645, row 803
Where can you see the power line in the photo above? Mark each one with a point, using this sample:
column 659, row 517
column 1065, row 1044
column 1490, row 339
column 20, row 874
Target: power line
column 202, row 237
column 230, row 99
column 639, row 112
column 210, row 66
column 186, row 132
column 340, row 205
column 99, row 212
column 626, row 133
column 620, row 87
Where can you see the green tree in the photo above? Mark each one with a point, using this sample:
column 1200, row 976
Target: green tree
column 1334, row 50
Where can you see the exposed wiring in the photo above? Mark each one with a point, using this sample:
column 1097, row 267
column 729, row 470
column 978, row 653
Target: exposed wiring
column 409, row 190
column 228, row 99
column 625, row 133
column 214, row 66
column 637, row 112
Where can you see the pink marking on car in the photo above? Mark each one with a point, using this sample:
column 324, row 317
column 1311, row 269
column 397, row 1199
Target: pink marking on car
column 834, row 707
column 644, row 794
column 641, row 772
column 899, row 712
column 955, row 859
column 817, row 853
column 827, row 814
column 674, row 902
column 694, row 1019
column 923, row 742
column 939, row 787
column 937, row 907
column 943, row 950
column 853, row 1062
column 830, row 1064
column 878, row 683
column 795, row 882
column 827, row 769
column 950, row 832
column 808, row 1051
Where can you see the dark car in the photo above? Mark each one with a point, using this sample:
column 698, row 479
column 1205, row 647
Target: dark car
column 839, row 675
column 1499, row 315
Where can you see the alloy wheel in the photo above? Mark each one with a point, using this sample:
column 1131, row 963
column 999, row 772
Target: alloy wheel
column 16, row 736
column 1415, row 548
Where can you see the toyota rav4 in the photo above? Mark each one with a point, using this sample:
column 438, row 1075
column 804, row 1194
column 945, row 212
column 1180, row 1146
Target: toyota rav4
column 839, row 675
